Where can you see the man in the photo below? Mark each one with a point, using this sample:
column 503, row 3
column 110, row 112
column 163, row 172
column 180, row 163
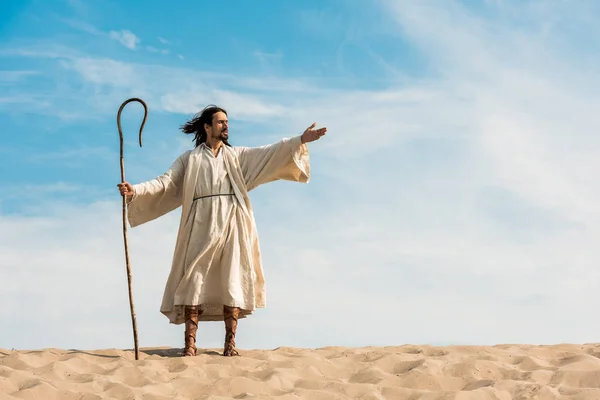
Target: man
column 216, row 272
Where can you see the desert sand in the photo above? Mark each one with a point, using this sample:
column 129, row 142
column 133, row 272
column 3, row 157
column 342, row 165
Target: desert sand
column 564, row 371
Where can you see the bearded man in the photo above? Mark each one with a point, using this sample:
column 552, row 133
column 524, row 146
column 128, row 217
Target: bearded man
column 216, row 271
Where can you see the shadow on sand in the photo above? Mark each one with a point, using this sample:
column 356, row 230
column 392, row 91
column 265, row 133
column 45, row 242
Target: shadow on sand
column 73, row 351
column 176, row 353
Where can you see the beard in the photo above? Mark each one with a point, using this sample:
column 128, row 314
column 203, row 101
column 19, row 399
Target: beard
column 223, row 135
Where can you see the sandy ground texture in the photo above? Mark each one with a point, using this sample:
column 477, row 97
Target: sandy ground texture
column 563, row 371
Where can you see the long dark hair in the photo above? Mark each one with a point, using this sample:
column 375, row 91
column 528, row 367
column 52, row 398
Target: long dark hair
column 195, row 125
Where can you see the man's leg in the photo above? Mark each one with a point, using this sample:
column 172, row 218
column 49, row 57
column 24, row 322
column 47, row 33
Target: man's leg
column 230, row 316
column 191, row 327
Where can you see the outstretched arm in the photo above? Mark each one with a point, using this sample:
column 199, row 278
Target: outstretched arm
column 287, row 159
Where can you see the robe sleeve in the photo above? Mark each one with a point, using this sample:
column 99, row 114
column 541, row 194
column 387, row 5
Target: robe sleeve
column 285, row 160
column 158, row 196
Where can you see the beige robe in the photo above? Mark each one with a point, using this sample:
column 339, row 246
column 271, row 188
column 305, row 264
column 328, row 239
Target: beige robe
column 217, row 257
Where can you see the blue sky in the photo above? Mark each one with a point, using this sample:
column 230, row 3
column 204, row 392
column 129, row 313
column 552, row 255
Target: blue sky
column 454, row 199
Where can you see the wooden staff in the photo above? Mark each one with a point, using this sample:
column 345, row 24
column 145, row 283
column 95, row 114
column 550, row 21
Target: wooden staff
column 135, row 334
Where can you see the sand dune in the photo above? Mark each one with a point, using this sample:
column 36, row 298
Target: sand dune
column 403, row 372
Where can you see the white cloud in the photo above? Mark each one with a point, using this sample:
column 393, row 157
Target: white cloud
column 82, row 26
column 22, row 99
column 16, row 75
column 153, row 49
column 525, row 134
column 124, row 36
column 21, row 190
column 79, row 7
column 76, row 156
column 105, row 71
column 267, row 58
column 176, row 90
column 127, row 38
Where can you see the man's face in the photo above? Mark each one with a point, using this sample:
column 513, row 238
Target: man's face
column 220, row 126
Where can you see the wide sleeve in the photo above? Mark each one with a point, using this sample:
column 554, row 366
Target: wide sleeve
column 158, row 196
column 285, row 160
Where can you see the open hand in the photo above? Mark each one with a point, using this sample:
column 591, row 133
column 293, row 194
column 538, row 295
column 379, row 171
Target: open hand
column 310, row 134
column 126, row 189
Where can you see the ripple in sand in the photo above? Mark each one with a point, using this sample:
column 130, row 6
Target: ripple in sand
column 406, row 366
column 177, row 367
column 367, row 375
column 118, row 390
column 478, row 384
column 406, row 372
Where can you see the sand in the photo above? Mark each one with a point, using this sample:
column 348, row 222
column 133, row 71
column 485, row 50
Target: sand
column 563, row 371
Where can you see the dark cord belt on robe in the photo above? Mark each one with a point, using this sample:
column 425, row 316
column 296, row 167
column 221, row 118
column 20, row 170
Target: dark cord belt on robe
column 214, row 195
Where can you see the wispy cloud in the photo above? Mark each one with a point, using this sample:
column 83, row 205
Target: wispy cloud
column 171, row 89
column 126, row 38
column 268, row 57
column 22, row 99
column 123, row 36
column 15, row 75
column 153, row 49
column 24, row 190
column 41, row 49
column 78, row 6
column 83, row 26
column 515, row 93
column 72, row 156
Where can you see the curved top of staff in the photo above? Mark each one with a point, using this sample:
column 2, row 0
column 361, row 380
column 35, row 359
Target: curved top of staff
column 143, row 121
